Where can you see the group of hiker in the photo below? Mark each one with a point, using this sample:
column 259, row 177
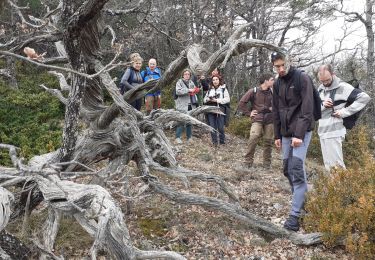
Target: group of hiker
column 133, row 76
column 282, row 109
column 290, row 105
column 189, row 93
column 214, row 93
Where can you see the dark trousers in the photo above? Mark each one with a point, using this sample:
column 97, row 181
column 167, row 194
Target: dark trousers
column 137, row 104
column 216, row 121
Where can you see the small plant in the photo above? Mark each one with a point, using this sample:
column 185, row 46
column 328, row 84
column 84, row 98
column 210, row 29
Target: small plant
column 240, row 126
column 342, row 204
column 30, row 117
column 315, row 152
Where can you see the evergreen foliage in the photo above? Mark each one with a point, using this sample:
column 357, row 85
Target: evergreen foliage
column 30, row 118
column 240, row 126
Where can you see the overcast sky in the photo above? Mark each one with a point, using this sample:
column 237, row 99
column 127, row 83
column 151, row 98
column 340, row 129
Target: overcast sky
column 334, row 30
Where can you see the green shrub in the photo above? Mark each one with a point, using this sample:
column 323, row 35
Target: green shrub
column 357, row 143
column 167, row 101
column 30, row 117
column 342, row 204
column 352, row 146
column 315, row 152
column 240, row 126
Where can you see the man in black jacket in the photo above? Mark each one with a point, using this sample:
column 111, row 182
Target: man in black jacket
column 293, row 123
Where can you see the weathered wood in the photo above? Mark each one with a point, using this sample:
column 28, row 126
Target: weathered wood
column 6, row 199
column 96, row 211
column 235, row 211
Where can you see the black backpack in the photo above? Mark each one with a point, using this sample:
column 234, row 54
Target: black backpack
column 317, row 111
column 226, row 108
column 174, row 93
column 350, row 121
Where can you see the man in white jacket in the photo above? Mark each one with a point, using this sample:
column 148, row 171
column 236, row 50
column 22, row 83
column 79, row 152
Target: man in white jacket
column 335, row 94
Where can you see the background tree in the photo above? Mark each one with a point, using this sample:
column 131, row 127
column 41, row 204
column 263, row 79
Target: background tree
column 100, row 126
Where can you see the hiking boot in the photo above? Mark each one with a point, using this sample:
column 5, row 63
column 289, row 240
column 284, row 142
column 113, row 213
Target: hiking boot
column 178, row 141
column 190, row 140
column 292, row 223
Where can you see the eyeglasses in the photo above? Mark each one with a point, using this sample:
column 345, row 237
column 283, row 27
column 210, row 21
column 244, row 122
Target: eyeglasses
column 327, row 81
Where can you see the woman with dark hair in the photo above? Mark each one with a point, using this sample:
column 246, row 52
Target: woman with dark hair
column 217, row 95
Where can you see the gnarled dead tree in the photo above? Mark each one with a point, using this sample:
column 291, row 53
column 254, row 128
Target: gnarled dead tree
column 116, row 133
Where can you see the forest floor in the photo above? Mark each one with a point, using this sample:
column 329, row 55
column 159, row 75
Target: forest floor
column 155, row 222
column 197, row 233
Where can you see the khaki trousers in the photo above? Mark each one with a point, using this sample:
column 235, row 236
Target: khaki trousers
column 258, row 130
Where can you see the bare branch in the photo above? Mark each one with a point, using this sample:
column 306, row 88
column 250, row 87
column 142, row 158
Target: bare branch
column 138, row 8
column 6, row 199
column 18, row 9
column 164, row 33
column 55, row 92
column 113, row 33
column 63, row 84
column 13, row 155
column 49, row 37
column 3, row 45
column 104, row 69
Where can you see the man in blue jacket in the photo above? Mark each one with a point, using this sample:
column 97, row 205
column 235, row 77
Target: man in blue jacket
column 293, row 116
column 153, row 100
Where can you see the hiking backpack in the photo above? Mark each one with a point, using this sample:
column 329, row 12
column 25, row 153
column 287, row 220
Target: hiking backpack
column 238, row 113
column 350, row 121
column 130, row 80
column 317, row 110
column 174, row 93
column 226, row 108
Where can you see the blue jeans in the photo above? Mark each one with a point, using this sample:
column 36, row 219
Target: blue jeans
column 216, row 121
column 180, row 129
column 294, row 170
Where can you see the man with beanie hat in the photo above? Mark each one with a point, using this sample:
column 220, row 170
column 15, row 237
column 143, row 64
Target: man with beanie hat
column 293, row 124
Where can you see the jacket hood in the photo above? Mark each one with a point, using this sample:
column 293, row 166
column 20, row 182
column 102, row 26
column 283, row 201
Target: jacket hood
column 335, row 84
column 156, row 70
